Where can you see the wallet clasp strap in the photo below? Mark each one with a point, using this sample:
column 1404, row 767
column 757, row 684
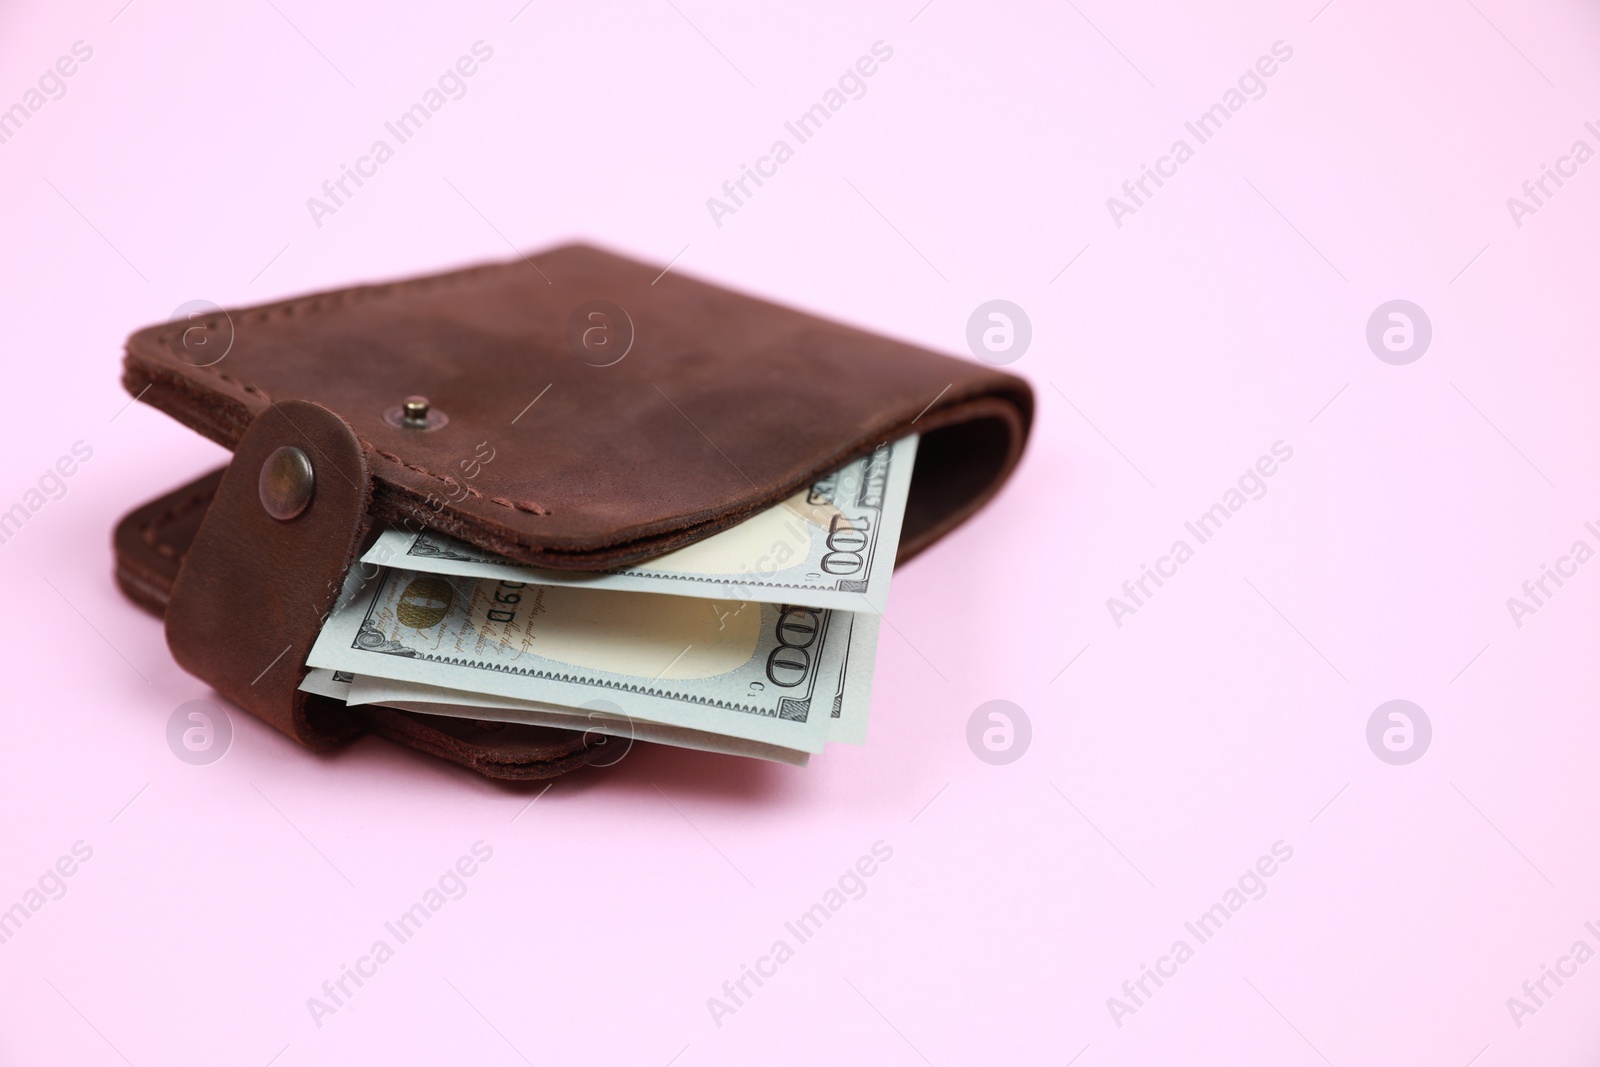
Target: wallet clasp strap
column 267, row 565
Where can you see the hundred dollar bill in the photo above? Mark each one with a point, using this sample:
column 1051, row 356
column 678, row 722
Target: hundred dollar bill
column 601, row 717
column 847, row 722
column 335, row 684
column 830, row 546
column 762, row 672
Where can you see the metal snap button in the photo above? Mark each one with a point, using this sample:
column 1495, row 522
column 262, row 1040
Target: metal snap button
column 286, row 483
column 416, row 413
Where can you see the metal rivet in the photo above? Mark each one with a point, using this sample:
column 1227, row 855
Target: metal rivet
column 286, row 483
column 415, row 413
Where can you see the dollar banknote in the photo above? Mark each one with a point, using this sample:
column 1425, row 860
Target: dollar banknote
column 335, row 684
column 597, row 717
column 769, row 673
column 847, row 721
column 602, row 717
column 831, row 546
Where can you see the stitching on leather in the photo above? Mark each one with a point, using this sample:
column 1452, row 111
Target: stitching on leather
column 324, row 302
column 532, row 509
column 150, row 533
column 503, row 502
column 246, row 386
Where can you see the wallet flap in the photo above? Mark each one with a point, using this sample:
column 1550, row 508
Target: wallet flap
column 266, row 566
column 587, row 410
column 244, row 594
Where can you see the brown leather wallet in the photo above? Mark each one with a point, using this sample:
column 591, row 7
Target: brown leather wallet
column 583, row 411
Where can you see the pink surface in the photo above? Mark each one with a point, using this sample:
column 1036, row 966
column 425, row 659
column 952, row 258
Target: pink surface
column 1169, row 753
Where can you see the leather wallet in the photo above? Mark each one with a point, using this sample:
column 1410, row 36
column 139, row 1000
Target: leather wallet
column 583, row 411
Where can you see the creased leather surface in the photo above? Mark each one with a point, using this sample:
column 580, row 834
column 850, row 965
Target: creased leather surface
column 723, row 405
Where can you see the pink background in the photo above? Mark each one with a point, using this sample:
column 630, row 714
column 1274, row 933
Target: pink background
column 1228, row 714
